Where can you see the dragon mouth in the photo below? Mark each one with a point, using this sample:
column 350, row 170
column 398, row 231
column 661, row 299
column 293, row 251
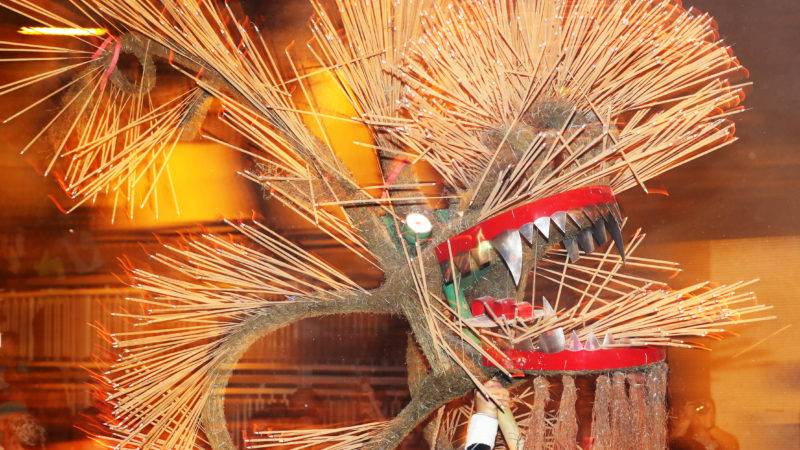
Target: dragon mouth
column 593, row 210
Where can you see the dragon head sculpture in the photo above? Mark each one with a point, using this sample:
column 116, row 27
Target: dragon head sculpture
column 533, row 114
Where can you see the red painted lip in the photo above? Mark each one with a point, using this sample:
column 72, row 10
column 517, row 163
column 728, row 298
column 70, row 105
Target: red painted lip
column 521, row 215
column 583, row 360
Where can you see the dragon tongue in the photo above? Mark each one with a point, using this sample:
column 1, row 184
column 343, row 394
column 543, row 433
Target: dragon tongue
column 509, row 245
column 610, row 212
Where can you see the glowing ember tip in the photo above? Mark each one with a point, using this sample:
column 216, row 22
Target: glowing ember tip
column 52, row 31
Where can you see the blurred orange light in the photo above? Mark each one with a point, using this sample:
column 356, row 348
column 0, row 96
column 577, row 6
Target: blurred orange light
column 203, row 192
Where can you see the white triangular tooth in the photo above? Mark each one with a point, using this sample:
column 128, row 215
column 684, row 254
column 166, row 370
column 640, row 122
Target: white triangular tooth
column 509, row 245
column 543, row 225
column 526, row 231
column 574, row 344
column 548, row 309
column 608, row 340
column 552, row 341
column 591, row 343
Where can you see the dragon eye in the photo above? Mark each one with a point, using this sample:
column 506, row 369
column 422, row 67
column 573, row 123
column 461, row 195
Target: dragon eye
column 418, row 223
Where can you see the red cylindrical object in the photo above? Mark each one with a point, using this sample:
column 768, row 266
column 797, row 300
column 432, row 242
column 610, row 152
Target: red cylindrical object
column 584, row 360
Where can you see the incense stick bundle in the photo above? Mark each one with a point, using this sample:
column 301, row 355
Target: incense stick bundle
column 631, row 310
column 568, row 94
column 363, row 54
column 107, row 136
column 166, row 368
column 334, row 438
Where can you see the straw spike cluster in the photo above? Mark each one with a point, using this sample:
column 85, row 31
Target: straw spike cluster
column 334, row 438
column 511, row 102
column 116, row 138
column 602, row 303
column 583, row 92
column 205, row 291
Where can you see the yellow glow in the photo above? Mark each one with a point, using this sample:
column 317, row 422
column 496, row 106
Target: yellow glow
column 206, row 192
column 342, row 135
column 51, row 31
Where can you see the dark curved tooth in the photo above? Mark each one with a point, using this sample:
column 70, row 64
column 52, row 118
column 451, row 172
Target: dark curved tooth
column 592, row 213
column 572, row 250
column 553, row 341
column 543, row 225
column 605, row 212
column 509, row 245
column 560, row 219
column 599, row 231
column 577, row 216
column 585, row 240
column 613, row 227
column 527, row 232
column 614, row 208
